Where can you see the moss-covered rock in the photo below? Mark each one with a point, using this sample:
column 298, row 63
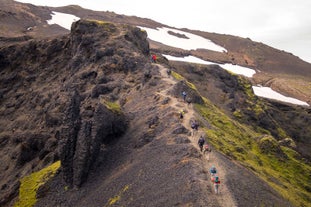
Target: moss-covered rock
column 31, row 183
column 269, row 145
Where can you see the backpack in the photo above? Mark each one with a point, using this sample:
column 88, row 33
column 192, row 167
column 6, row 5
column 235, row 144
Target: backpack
column 193, row 126
column 201, row 141
column 216, row 179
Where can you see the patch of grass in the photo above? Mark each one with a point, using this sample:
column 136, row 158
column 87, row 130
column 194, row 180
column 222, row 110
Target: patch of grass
column 112, row 106
column 179, row 77
column 280, row 169
column 31, row 183
column 237, row 114
column 106, row 26
column 115, row 199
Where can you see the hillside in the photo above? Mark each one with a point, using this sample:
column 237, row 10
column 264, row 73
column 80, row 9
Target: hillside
column 280, row 70
column 92, row 99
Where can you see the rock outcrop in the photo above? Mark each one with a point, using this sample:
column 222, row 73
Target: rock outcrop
column 62, row 99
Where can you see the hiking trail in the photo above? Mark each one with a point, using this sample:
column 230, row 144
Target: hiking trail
column 224, row 198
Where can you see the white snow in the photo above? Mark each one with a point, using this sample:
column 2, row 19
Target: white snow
column 63, row 19
column 267, row 92
column 190, row 59
column 248, row 72
column 264, row 92
column 191, row 42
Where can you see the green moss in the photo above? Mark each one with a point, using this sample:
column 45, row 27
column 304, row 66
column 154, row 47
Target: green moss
column 275, row 164
column 116, row 198
column 177, row 76
column 237, row 114
column 180, row 77
column 31, row 183
column 112, row 106
column 281, row 132
column 106, row 26
column 254, row 104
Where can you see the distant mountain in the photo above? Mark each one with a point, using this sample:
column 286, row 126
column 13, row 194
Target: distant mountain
column 92, row 99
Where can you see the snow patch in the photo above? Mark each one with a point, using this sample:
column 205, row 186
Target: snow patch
column 248, row 72
column 267, row 92
column 62, row 19
column 190, row 42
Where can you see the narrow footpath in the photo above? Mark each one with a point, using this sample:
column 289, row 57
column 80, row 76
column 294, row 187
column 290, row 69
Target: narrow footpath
column 224, row 197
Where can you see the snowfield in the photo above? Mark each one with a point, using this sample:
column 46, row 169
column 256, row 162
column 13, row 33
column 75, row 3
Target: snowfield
column 62, row 19
column 190, row 42
column 248, row 72
column 267, row 92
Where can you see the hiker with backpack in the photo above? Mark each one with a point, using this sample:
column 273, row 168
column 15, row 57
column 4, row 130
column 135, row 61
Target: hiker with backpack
column 181, row 114
column 188, row 100
column 216, row 182
column 213, row 171
column 153, row 58
column 184, row 95
column 207, row 149
column 192, row 127
column 201, row 142
column 168, row 71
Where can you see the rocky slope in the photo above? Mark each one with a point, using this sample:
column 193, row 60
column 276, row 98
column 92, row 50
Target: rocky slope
column 93, row 100
column 282, row 71
column 57, row 93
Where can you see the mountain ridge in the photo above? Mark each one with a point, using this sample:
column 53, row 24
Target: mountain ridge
column 104, row 68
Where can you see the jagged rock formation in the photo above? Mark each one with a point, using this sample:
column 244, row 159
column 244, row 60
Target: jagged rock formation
column 59, row 91
column 82, row 136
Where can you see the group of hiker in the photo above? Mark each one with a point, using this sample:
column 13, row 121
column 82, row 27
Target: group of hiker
column 204, row 147
column 195, row 126
column 214, row 177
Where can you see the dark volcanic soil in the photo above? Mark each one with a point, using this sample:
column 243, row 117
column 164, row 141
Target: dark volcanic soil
column 157, row 163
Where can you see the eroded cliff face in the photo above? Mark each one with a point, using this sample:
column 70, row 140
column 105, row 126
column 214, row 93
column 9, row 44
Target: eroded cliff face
column 62, row 99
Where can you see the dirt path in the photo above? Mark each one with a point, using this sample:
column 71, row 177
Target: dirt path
column 224, row 198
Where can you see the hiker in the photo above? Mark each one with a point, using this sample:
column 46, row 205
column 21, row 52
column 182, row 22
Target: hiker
column 201, row 142
column 216, row 182
column 184, row 94
column 153, row 58
column 188, row 100
column 181, row 114
column 213, row 171
column 207, row 149
column 194, row 126
column 168, row 71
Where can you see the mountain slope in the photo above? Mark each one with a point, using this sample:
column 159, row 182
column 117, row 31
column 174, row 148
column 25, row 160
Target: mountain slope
column 153, row 162
column 94, row 101
column 279, row 70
